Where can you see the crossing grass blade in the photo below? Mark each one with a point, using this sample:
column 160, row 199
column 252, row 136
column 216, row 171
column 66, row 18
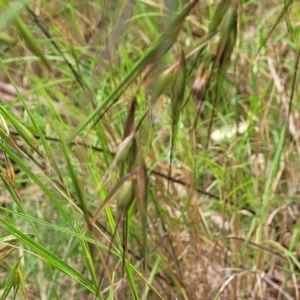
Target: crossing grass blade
column 54, row 227
column 22, row 130
column 25, row 133
column 225, row 19
column 75, row 180
column 155, row 52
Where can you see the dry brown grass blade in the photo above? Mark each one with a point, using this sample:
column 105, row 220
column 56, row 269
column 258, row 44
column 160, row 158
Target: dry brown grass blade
column 199, row 85
column 129, row 129
column 10, row 171
column 129, row 125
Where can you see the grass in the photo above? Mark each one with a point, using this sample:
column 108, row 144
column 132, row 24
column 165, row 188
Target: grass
column 150, row 150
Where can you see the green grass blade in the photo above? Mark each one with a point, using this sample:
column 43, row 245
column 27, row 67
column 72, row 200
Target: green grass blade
column 154, row 271
column 58, row 228
column 37, row 181
column 49, row 257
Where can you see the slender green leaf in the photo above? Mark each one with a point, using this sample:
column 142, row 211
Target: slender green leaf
column 49, row 257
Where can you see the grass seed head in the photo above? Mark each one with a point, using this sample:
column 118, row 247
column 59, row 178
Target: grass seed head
column 125, row 195
column 162, row 83
column 198, row 87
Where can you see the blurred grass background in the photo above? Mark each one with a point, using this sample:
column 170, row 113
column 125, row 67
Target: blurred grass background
column 149, row 149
